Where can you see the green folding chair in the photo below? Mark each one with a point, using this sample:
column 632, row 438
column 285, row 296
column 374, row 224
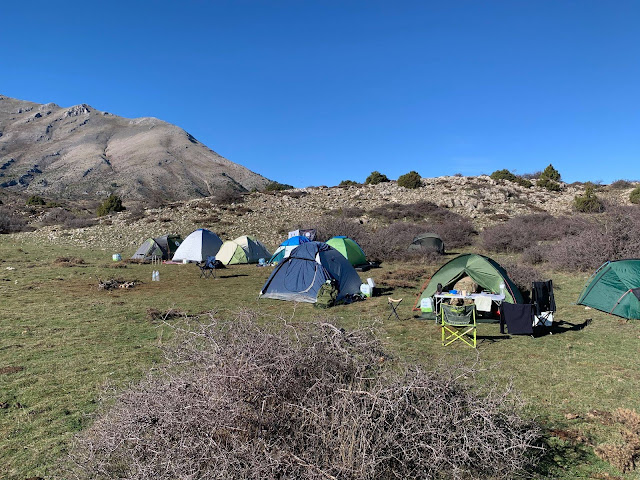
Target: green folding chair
column 458, row 323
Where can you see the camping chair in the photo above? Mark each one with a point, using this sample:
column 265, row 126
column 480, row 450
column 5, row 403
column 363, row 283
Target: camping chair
column 458, row 323
column 518, row 317
column 208, row 267
column 544, row 303
column 393, row 305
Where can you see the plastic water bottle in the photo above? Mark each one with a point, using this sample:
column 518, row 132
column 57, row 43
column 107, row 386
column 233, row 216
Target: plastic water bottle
column 157, row 275
column 502, row 289
column 154, row 276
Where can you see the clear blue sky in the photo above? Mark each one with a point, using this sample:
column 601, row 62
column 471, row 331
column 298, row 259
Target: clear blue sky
column 312, row 92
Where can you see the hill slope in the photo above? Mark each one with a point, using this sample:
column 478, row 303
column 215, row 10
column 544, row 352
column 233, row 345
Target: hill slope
column 80, row 152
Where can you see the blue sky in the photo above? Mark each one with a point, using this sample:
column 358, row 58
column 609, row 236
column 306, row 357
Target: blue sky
column 312, row 92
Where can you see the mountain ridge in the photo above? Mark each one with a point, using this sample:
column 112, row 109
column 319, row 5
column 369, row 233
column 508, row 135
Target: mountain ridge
column 79, row 152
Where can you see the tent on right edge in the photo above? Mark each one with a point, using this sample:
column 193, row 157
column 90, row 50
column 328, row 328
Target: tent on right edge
column 615, row 289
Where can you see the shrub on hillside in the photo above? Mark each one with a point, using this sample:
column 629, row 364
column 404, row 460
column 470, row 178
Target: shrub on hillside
column 227, row 196
column 549, row 185
column 612, row 237
column 111, row 204
column 523, row 276
column 36, row 200
column 410, row 180
column 519, row 233
column 551, row 173
column 237, row 399
column 375, row 178
column 277, row 187
column 66, row 219
column 505, row 174
column 549, row 179
column 620, row 185
column 588, row 202
column 634, row 196
column 348, row 183
column 11, row 223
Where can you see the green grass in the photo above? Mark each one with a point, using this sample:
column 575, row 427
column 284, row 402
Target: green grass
column 73, row 341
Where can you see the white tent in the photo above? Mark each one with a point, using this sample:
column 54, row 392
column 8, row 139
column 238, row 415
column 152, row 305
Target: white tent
column 198, row 246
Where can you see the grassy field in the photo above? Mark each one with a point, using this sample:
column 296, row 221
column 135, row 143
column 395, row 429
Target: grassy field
column 63, row 341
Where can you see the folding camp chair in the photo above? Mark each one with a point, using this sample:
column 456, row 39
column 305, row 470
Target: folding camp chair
column 208, row 267
column 458, row 323
column 393, row 305
column 544, row 303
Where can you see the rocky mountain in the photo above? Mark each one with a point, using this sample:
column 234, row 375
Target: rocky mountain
column 82, row 153
column 269, row 216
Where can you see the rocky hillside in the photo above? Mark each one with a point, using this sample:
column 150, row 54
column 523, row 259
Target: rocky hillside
column 270, row 216
column 82, row 153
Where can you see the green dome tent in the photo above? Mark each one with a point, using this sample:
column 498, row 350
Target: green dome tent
column 349, row 250
column 243, row 249
column 428, row 241
column 614, row 288
column 484, row 271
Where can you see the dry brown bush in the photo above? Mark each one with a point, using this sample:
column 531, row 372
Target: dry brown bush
column 239, row 401
column 612, row 237
column 519, row 233
column 11, row 222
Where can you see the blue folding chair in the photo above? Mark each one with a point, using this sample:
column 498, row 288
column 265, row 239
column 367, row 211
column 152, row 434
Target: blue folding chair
column 208, row 267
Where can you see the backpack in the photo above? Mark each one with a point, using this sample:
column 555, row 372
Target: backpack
column 327, row 294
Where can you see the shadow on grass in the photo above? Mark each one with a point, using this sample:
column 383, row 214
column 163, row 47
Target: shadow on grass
column 233, row 276
column 562, row 326
column 561, row 456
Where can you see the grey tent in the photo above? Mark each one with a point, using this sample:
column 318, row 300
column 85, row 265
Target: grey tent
column 299, row 276
column 428, row 241
column 162, row 247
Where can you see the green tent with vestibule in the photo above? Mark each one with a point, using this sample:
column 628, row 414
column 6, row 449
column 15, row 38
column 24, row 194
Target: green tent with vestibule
column 484, row 271
column 349, row 250
column 614, row 288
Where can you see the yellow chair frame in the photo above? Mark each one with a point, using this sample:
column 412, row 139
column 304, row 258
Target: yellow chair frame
column 458, row 323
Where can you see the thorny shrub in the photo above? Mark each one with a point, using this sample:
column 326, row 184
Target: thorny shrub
column 237, row 400
column 620, row 185
column 519, row 233
column 634, row 196
column 11, row 223
column 612, row 237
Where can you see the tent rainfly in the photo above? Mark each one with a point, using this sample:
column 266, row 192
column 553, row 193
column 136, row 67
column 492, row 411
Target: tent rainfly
column 286, row 248
column 350, row 249
column 614, row 288
column 484, row 271
column 199, row 245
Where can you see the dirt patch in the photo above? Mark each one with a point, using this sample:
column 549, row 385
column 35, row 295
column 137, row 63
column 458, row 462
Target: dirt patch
column 404, row 277
column 624, row 455
column 155, row 314
column 9, row 370
column 69, row 262
column 116, row 283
